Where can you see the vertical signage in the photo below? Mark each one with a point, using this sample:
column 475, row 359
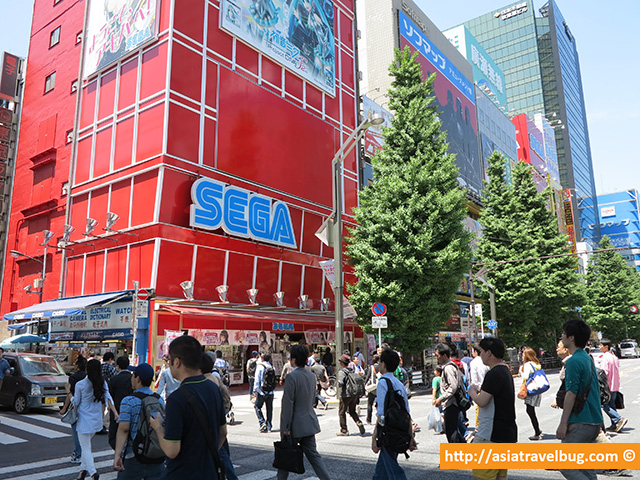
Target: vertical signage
column 9, row 76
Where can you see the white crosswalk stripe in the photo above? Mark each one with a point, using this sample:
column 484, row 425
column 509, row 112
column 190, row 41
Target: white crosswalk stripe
column 6, row 439
column 31, row 428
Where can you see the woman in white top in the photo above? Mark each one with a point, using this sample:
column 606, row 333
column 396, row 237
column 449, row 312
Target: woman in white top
column 531, row 364
column 90, row 393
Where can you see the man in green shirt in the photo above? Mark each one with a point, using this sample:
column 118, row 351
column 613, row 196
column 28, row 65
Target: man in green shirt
column 581, row 421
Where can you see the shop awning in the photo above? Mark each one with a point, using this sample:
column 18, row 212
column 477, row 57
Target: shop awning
column 18, row 326
column 61, row 307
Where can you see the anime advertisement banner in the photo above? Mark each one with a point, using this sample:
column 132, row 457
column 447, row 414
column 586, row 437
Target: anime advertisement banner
column 454, row 94
column 232, row 337
column 325, row 338
column 116, row 28
column 298, row 34
column 373, row 139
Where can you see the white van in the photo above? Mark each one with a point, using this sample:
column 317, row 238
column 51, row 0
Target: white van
column 629, row 349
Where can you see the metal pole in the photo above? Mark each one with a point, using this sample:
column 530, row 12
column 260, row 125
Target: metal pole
column 41, row 292
column 472, row 326
column 492, row 300
column 134, row 326
column 379, row 336
column 337, row 256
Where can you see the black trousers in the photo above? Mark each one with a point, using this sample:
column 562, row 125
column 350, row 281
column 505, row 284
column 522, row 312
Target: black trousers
column 348, row 405
column 451, row 419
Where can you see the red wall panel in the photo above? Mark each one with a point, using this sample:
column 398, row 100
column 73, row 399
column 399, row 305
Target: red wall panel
column 94, row 271
column 140, row 260
column 239, row 277
column 209, row 273
column 293, row 86
column 88, row 104
column 183, row 133
column 270, row 141
column 290, row 283
column 186, row 72
column 154, row 71
column 74, row 276
column 83, row 163
column 267, row 280
column 217, row 40
column 247, row 58
column 271, row 72
column 79, row 214
column 128, row 83
column 116, row 277
column 176, row 194
column 209, row 148
column 310, row 243
column 174, row 267
column 144, row 197
column 313, row 280
column 42, row 183
column 187, row 19
column 211, row 93
column 120, row 199
column 107, row 95
column 102, row 161
column 99, row 207
column 150, row 130
column 167, row 321
column 124, row 143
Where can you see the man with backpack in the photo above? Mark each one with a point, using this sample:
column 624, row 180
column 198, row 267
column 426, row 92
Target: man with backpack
column 351, row 388
column 263, row 390
column 450, row 384
column 252, row 366
column 393, row 432
column 611, row 366
column 138, row 454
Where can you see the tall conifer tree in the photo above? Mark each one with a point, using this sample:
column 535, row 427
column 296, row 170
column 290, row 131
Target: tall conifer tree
column 410, row 248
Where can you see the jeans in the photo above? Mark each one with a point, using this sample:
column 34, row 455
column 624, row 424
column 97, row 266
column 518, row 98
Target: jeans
column 319, row 397
column 252, row 381
column 225, row 457
column 87, row 457
column 580, row 433
column 266, row 400
column 77, row 450
column 134, row 470
column 371, row 399
column 348, row 404
column 610, row 409
column 310, row 450
column 387, row 467
column 452, row 424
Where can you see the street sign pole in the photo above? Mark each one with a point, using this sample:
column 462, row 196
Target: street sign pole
column 379, row 336
column 134, row 327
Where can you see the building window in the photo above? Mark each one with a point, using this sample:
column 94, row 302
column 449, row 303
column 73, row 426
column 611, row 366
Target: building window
column 50, row 82
column 79, row 37
column 74, row 86
column 55, row 2
column 54, row 39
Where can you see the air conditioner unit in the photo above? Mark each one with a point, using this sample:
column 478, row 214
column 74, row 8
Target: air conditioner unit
column 37, row 283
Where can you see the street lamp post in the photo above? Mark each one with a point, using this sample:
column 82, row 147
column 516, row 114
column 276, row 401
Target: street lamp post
column 339, row 157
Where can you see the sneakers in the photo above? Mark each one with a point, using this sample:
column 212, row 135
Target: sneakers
column 326, row 406
column 536, row 437
column 342, row 433
column 620, row 425
column 75, row 459
column 361, row 428
column 263, row 428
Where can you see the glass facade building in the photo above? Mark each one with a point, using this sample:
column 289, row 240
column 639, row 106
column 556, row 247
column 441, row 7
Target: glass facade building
column 538, row 56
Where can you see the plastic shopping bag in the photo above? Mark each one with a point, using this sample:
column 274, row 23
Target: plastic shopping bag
column 434, row 419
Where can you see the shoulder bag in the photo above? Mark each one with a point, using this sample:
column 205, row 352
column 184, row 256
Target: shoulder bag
column 537, row 383
column 288, row 455
column 207, row 432
column 71, row 415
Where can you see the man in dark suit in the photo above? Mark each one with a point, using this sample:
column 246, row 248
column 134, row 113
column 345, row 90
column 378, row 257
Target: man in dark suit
column 119, row 387
column 297, row 417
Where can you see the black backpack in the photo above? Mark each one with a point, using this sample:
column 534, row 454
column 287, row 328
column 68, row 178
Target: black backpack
column 224, row 375
column 268, row 380
column 146, row 446
column 353, row 385
column 603, row 381
column 251, row 369
column 396, row 433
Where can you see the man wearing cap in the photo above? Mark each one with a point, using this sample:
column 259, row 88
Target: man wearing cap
column 124, row 460
column 252, row 365
column 347, row 404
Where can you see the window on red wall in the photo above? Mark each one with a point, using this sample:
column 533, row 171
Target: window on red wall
column 42, row 183
column 49, row 82
column 54, row 38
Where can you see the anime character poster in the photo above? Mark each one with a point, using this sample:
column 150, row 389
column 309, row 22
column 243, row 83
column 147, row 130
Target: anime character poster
column 298, row 34
column 116, row 28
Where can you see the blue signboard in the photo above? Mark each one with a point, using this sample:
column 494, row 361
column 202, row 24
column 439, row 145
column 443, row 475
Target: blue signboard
column 425, row 46
column 240, row 212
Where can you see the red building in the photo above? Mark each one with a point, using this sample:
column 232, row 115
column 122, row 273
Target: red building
column 171, row 93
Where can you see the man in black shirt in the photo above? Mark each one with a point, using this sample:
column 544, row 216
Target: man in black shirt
column 496, row 400
column 119, row 387
column 327, row 360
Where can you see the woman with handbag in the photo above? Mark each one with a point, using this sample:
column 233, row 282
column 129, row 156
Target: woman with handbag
column 90, row 394
column 530, row 365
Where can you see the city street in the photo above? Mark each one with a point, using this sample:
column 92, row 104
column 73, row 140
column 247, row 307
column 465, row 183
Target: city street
column 38, row 445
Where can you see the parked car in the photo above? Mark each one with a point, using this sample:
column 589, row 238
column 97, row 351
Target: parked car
column 629, row 348
column 596, row 354
column 35, row 381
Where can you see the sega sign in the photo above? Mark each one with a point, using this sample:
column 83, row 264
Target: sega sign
column 240, row 213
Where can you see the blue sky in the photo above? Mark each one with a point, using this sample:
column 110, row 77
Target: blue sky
column 606, row 35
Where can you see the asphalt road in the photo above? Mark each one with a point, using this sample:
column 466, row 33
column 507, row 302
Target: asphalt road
column 38, row 445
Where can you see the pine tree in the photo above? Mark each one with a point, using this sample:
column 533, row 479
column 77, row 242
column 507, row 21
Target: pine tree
column 410, row 248
column 612, row 288
column 533, row 297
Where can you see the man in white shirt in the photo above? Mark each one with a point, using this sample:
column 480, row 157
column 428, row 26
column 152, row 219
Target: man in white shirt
column 477, row 372
column 611, row 366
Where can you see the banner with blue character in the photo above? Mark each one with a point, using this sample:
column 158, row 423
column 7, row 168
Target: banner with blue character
column 298, row 34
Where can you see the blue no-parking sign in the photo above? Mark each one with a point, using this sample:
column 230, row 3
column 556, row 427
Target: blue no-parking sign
column 379, row 309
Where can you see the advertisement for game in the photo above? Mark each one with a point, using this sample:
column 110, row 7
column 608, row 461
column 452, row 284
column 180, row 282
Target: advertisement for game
column 116, row 28
column 298, row 34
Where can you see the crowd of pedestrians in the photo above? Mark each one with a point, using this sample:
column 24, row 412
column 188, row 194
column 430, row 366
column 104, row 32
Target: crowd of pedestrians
column 180, row 429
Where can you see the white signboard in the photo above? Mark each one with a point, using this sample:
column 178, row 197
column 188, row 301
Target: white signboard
column 142, row 308
column 297, row 34
column 379, row 322
column 608, row 211
column 116, row 28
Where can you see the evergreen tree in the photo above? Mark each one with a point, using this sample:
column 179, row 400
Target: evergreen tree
column 410, row 248
column 612, row 288
column 533, row 297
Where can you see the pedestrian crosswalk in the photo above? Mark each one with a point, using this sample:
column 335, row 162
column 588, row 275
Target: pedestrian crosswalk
column 15, row 429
